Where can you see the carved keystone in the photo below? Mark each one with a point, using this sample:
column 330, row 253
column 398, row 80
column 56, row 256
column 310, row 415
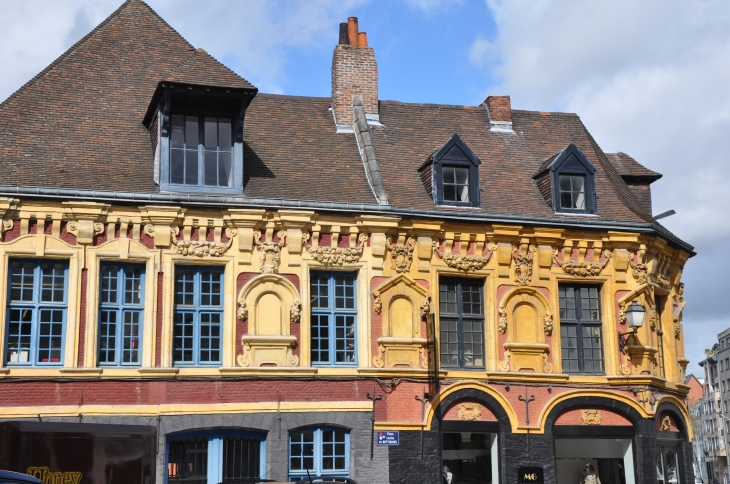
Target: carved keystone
column 85, row 219
column 159, row 222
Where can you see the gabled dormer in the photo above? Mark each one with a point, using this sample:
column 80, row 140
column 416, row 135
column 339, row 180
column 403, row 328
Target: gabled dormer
column 451, row 174
column 567, row 182
column 195, row 121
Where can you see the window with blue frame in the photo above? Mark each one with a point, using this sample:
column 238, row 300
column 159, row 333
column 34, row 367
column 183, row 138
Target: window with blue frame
column 215, row 456
column 324, row 452
column 121, row 311
column 36, row 312
column 198, row 317
column 334, row 317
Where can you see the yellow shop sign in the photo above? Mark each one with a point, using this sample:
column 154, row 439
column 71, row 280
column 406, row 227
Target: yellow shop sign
column 42, row 473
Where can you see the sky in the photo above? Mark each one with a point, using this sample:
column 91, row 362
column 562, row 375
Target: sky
column 649, row 78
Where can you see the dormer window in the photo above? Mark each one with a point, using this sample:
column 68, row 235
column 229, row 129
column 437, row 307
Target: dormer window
column 195, row 121
column 567, row 181
column 201, row 151
column 451, row 175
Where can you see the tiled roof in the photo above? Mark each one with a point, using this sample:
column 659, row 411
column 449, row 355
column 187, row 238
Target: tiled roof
column 630, row 168
column 78, row 125
column 203, row 69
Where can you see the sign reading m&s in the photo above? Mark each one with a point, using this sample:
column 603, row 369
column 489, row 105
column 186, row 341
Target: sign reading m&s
column 530, row 475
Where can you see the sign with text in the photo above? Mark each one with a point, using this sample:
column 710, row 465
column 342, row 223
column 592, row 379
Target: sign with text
column 530, row 475
column 388, row 437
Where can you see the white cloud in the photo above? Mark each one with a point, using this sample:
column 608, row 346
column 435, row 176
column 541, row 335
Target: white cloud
column 482, row 52
column 430, row 6
column 651, row 79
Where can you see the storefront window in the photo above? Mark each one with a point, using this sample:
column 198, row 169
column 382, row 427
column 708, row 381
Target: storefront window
column 470, row 457
column 667, row 471
column 594, row 460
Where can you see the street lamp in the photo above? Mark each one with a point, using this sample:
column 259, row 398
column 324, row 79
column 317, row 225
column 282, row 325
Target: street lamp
column 634, row 319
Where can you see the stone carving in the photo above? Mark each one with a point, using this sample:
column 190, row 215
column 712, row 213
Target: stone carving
column 242, row 312
column 464, row 263
column 6, row 225
column 469, row 411
column 426, row 306
column 523, row 266
column 85, row 230
column 583, row 269
column 548, row 324
column 270, row 252
column 591, row 417
column 622, row 314
column 639, row 271
column 666, row 424
column 247, row 358
column 662, row 281
column 201, row 248
column 401, row 255
column 378, row 304
column 331, row 256
column 502, row 319
column 296, row 310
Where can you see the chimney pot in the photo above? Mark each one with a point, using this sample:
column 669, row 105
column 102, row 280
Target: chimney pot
column 362, row 39
column 344, row 35
column 352, row 30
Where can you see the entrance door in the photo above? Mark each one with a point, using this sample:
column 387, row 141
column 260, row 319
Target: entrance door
column 470, row 457
column 667, row 466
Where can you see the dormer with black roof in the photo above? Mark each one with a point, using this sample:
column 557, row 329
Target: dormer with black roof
column 451, row 174
column 195, row 121
column 566, row 181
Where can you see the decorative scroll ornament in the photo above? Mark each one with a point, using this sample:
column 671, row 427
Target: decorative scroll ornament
column 622, row 314
column 378, row 304
column 469, row 412
column 242, row 312
column 666, row 424
column 502, row 320
column 548, row 324
column 583, row 269
column 523, row 266
column 639, row 271
column 401, row 255
column 296, row 310
column 202, row 248
column 591, row 417
column 426, row 306
column 270, row 252
column 464, row 263
column 331, row 256
column 662, row 281
column 85, row 230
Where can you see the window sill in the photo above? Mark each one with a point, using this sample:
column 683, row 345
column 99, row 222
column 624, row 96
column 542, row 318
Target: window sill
column 267, row 371
column 168, row 189
column 80, row 371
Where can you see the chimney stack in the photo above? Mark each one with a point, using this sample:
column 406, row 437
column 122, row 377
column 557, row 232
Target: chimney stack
column 354, row 73
column 499, row 109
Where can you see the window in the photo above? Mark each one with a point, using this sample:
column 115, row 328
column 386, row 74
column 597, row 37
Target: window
column 201, row 151
column 573, row 192
column 121, row 309
column 658, row 309
column 456, row 184
column 36, row 312
column 461, row 315
column 571, row 182
column 198, row 318
column 324, row 452
column 334, row 316
column 667, row 466
column 452, row 174
column 214, row 456
column 580, row 329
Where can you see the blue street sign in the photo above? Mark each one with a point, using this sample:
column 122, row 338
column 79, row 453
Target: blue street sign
column 388, row 437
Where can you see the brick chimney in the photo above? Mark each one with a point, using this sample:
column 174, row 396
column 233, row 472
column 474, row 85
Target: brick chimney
column 499, row 109
column 354, row 73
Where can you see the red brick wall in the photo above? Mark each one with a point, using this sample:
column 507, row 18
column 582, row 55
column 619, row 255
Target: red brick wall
column 575, row 417
column 453, row 412
column 82, row 315
column 354, row 73
column 500, row 108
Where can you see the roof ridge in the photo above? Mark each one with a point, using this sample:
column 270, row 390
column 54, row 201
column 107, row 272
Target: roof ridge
column 113, row 16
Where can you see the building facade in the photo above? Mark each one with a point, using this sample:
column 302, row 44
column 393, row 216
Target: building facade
column 341, row 286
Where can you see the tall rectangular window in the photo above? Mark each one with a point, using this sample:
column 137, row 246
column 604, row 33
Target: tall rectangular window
column 334, row 317
column 461, row 313
column 580, row 328
column 121, row 310
column 658, row 309
column 36, row 312
column 198, row 318
column 201, row 151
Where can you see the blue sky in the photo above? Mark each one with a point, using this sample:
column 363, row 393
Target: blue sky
column 649, row 78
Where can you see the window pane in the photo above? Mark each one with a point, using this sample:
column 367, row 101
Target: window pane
column 177, row 166
column 21, row 282
column 191, row 167
column 210, row 140
column 241, row 458
column 320, row 338
column 462, row 176
column 225, row 135
column 224, row 169
column 177, row 134
column 183, row 334
column 191, row 132
column 50, row 335
column 211, row 168
column 565, row 185
column 569, row 348
column 449, row 193
column 449, row 175
column 20, row 326
column 210, row 333
column 131, row 337
column 53, row 281
column 184, row 286
column 133, row 285
column 462, row 193
column 462, row 322
column 107, row 336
